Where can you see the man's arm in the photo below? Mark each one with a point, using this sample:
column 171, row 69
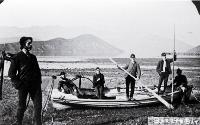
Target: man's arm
column 158, row 68
column 173, row 59
column 185, row 80
column 94, row 81
column 12, row 73
column 103, row 80
column 126, row 66
column 38, row 69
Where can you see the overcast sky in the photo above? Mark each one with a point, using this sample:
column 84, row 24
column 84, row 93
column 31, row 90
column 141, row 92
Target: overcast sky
column 120, row 18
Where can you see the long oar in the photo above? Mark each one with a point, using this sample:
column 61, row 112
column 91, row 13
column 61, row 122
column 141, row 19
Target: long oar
column 156, row 95
column 2, row 71
column 173, row 68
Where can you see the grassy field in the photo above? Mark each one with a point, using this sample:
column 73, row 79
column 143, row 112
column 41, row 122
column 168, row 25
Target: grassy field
column 114, row 78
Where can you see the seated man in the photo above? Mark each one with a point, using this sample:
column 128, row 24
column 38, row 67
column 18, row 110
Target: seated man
column 180, row 82
column 68, row 86
column 98, row 80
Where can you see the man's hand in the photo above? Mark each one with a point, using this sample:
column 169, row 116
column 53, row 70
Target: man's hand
column 98, row 79
column 136, row 78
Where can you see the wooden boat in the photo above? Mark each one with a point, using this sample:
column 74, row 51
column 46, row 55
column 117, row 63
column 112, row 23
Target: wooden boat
column 114, row 98
column 114, row 101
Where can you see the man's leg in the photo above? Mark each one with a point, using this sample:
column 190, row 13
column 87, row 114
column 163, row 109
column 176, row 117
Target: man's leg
column 165, row 81
column 97, row 91
column 36, row 96
column 184, row 100
column 160, row 82
column 127, row 87
column 132, row 88
column 100, row 92
column 22, row 95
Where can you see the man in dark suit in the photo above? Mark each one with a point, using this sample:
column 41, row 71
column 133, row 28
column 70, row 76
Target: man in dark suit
column 66, row 84
column 98, row 80
column 164, row 69
column 180, row 82
column 25, row 75
column 134, row 69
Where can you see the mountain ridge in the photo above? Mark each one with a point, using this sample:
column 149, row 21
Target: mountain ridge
column 83, row 45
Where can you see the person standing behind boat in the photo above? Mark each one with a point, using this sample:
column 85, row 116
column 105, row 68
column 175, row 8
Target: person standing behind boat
column 98, row 83
column 133, row 68
column 164, row 69
column 25, row 75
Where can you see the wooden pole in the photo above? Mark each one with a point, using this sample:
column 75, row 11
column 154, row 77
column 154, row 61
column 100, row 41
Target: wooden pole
column 2, row 70
column 172, row 96
column 169, row 106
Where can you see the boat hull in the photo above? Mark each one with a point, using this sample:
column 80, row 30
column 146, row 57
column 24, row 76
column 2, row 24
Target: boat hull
column 120, row 101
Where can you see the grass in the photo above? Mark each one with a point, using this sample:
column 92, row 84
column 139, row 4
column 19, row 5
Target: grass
column 119, row 116
column 90, row 116
column 101, row 116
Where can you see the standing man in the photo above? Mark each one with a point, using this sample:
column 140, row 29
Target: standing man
column 133, row 68
column 164, row 69
column 26, row 77
column 98, row 81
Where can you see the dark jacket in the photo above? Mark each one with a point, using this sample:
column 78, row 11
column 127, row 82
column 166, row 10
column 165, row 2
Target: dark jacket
column 100, row 82
column 168, row 69
column 133, row 69
column 66, row 81
column 180, row 80
column 24, row 70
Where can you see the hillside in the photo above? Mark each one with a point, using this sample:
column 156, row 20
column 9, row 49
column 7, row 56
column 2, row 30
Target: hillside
column 83, row 45
column 136, row 41
column 195, row 50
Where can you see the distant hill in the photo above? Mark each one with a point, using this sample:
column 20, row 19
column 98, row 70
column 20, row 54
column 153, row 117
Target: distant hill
column 194, row 51
column 143, row 44
column 83, row 45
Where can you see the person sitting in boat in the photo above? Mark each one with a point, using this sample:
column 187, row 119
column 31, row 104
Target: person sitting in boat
column 180, row 83
column 164, row 69
column 67, row 85
column 98, row 83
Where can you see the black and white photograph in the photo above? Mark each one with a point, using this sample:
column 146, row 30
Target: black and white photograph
column 99, row 62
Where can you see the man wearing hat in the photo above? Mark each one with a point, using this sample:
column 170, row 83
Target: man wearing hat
column 98, row 81
column 62, row 83
column 25, row 75
column 68, row 86
column 133, row 68
column 180, row 82
column 164, row 69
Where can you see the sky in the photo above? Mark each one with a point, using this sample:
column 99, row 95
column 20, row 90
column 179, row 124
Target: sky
column 112, row 20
